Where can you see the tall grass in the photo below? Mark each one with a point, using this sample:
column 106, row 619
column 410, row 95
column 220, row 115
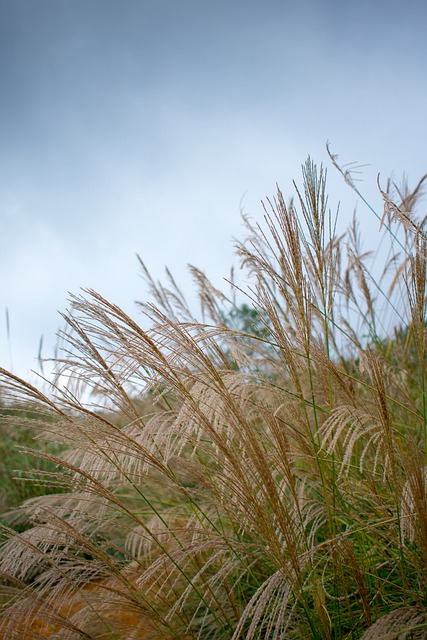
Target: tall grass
column 258, row 475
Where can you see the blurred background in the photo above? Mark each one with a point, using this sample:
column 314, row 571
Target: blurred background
column 147, row 126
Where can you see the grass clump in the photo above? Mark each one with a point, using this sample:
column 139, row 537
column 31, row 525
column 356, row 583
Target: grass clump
column 21, row 474
column 258, row 475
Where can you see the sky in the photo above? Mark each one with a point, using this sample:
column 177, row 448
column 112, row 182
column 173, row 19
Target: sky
column 145, row 126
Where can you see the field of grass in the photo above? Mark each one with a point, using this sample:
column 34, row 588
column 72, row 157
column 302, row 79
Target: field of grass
column 258, row 475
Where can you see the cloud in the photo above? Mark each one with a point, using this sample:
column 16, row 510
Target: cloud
column 141, row 129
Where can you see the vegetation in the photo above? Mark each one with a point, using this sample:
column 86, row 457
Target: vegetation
column 260, row 475
column 18, row 468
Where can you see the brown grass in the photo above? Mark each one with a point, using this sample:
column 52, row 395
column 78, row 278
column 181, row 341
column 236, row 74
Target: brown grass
column 257, row 481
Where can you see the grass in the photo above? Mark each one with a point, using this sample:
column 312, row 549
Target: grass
column 260, row 475
column 18, row 469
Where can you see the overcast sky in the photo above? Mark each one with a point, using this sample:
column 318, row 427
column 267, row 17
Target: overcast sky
column 137, row 126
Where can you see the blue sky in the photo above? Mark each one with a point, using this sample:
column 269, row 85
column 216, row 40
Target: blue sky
column 137, row 126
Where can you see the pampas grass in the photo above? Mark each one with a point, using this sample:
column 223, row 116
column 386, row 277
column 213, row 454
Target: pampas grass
column 258, row 475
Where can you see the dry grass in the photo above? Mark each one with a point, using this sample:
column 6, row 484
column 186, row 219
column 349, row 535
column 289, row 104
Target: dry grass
column 264, row 483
